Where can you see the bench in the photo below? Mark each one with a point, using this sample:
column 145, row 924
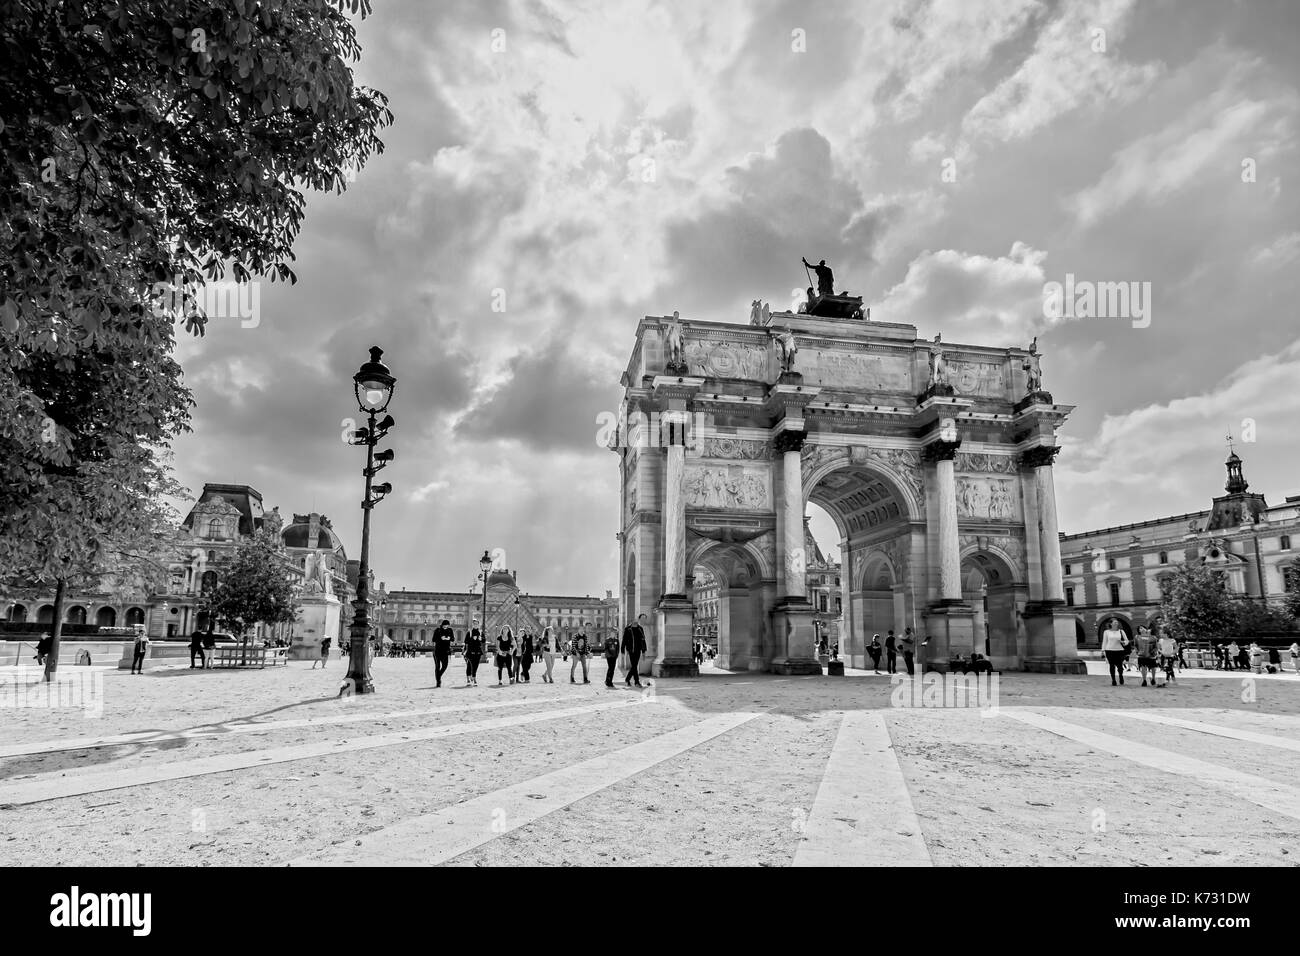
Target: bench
column 236, row 655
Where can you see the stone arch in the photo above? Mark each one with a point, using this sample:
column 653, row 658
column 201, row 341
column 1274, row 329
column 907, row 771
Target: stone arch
column 814, row 476
column 76, row 614
column 992, row 585
column 106, row 617
column 739, row 569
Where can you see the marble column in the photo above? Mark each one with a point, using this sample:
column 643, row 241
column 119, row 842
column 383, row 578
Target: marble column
column 789, row 445
column 1049, row 539
column 674, row 513
column 942, row 454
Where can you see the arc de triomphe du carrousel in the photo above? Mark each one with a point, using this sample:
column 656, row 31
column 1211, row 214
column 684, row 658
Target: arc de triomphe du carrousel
column 933, row 459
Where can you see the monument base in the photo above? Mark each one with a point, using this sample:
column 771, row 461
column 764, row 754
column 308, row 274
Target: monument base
column 949, row 630
column 796, row 638
column 1051, row 647
column 318, row 619
column 675, row 654
column 1034, row 398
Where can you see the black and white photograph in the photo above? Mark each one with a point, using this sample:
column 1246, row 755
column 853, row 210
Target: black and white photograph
column 650, row 434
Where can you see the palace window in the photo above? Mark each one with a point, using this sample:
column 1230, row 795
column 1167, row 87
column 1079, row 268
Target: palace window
column 1067, row 569
column 1069, row 597
column 1110, row 564
column 1285, row 542
column 1114, row 593
column 214, row 528
column 1164, row 557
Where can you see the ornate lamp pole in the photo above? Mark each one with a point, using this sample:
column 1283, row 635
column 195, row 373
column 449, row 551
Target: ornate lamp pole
column 485, row 563
column 374, row 386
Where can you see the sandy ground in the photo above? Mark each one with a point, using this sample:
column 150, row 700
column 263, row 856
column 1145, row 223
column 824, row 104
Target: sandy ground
column 987, row 789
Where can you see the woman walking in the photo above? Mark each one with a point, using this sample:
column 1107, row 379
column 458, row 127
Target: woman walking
column 1114, row 644
column 525, row 657
column 473, row 655
column 505, row 653
column 549, row 645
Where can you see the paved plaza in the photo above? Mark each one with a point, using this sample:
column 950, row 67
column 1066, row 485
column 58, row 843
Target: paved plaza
column 270, row 768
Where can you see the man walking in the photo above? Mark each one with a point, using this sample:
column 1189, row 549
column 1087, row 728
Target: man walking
column 1146, row 654
column 891, row 653
column 443, row 636
column 578, row 648
column 909, row 650
column 634, row 646
column 196, row 647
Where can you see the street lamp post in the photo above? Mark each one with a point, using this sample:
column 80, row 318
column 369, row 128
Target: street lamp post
column 485, row 563
column 374, row 386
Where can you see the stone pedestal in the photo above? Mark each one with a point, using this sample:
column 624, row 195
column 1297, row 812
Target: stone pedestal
column 318, row 618
column 1051, row 647
column 792, row 626
column 674, row 657
column 949, row 628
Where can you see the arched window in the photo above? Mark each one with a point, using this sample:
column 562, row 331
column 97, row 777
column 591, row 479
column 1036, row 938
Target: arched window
column 215, row 529
column 45, row 615
column 18, row 614
column 106, row 617
column 1164, row 557
column 212, row 556
column 76, row 615
column 410, row 634
column 209, row 581
column 134, row 615
column 421, row 635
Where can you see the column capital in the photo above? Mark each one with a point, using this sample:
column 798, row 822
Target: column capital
column 1042, row 455
column 940, row 450
column 788, row 440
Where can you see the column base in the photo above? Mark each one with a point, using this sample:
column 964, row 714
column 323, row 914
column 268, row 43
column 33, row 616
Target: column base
column 1050, row 646
column 949, row 629
column 796, row 666
column 674, row 657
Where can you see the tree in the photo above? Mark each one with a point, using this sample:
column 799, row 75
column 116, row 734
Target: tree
column 1251, row 617
column 148, row 145
column 1196, row 605
column 257, row 587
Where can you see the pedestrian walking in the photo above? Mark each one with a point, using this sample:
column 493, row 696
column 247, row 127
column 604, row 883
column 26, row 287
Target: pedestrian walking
column 526, row 648
column 634, row 645
column 874, row 650
column 611, row 659
column 209, row 650
column 909, row 650
column 1114, row 644
column 1233, row 655
column 505, row 650
column 196, row 647
column 324, row 654
column 1256, row 658
column 473, row 656
column 1145, row 643
column 1295, row 657
column 443, row 636
column 891, row 653
column 578, row 650
column 549, row 645
column 140, row 649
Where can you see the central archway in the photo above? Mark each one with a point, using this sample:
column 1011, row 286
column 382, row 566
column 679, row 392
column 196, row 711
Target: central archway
column 878, row 519
column 733, row 606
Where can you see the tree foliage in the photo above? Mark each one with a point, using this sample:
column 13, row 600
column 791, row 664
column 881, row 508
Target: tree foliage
column 1196, row 605
column 147, row 147
column 257, row 587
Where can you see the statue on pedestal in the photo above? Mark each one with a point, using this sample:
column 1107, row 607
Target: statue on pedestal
column 938, row 363
column 787, row 349
column 825, row 278
column 1033, row 370
column 674, row 344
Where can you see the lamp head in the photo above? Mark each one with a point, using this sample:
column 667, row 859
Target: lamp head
column 374, row 383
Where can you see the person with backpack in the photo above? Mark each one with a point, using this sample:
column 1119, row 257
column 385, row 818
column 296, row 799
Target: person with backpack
column 473, row 655
column 443, row 636
column 505, row 650
column 578, row 650
column 611, row 659
column 549, row 645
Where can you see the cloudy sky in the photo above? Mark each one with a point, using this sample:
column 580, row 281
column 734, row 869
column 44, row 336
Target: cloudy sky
column 588, row 164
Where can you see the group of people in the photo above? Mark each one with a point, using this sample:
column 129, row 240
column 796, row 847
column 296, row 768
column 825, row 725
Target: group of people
column 514, row 656
column 700, row 650
column 1232, row 656
column 892, row 647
